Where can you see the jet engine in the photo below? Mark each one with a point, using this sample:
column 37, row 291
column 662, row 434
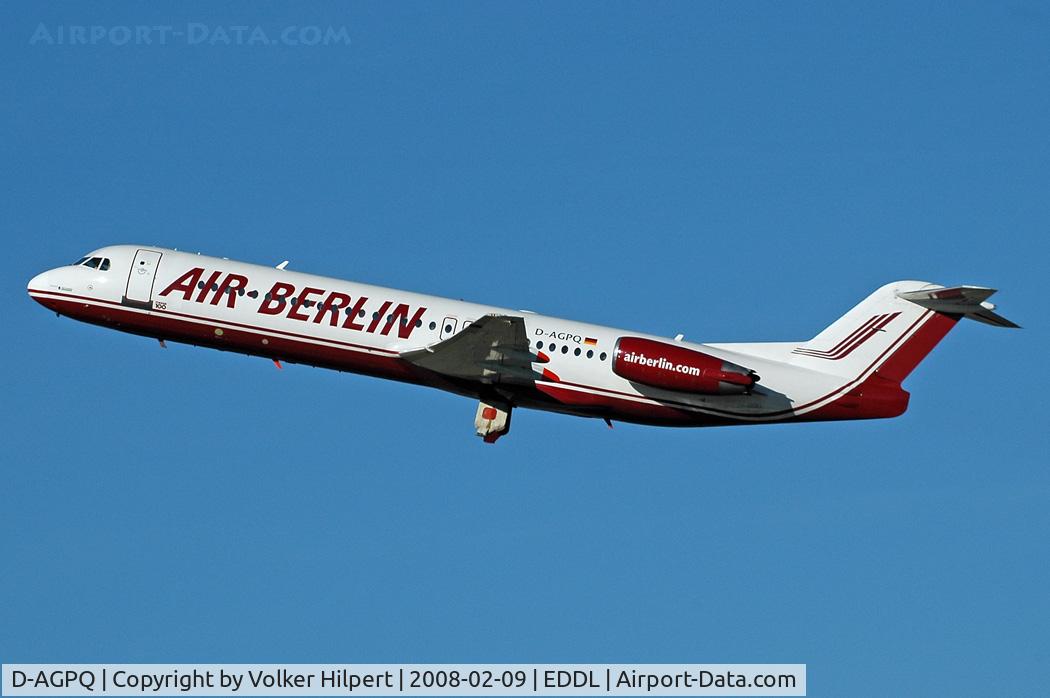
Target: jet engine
column 663, row 365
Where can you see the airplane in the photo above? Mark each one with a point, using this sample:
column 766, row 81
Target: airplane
column 503, row 358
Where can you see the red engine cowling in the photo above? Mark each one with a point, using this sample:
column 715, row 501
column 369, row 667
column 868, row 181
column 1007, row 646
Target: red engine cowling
column 671, row 367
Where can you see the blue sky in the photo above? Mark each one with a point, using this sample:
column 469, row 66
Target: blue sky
column 735, row 172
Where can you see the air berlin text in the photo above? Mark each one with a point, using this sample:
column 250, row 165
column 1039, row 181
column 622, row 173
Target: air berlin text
column 308, row 304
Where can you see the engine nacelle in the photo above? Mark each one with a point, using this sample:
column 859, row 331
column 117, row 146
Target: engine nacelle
column 671, row 367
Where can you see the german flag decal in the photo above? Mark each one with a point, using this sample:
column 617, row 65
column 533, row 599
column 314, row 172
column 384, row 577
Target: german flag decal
column 590, row 341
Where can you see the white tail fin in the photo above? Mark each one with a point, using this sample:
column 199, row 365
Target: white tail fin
column 867, row 332
column 894, row 328
column 874, row 346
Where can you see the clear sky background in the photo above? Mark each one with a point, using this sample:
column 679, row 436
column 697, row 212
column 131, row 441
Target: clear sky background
column 735, row 172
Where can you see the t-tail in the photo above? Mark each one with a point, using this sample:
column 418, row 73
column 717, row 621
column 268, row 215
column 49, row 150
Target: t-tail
column 882, row 339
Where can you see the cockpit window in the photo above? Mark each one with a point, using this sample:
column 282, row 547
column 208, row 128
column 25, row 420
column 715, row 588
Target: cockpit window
column 100, row 263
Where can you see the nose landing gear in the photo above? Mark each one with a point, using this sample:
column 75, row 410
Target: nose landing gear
column 492, row 422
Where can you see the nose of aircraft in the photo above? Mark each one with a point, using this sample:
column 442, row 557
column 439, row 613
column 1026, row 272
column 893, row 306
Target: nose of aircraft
column 39, row 286
column 37, row 283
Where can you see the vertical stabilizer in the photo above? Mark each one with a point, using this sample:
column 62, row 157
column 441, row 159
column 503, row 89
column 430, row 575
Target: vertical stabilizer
column 873, row 330
column 894, row 328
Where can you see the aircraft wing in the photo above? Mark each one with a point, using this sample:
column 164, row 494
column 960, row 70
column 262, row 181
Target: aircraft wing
column 493, row 349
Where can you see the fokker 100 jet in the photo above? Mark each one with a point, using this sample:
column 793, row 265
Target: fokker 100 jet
column 505, row 358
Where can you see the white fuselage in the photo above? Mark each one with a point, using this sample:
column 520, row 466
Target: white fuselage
column 303, row 318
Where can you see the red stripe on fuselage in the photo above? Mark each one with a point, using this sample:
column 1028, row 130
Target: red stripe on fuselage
column 755, row 417
column 249, row 340
column 362, row 359
column 217, row 321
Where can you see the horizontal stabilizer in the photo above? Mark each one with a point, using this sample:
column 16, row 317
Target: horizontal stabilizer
column 967, row 301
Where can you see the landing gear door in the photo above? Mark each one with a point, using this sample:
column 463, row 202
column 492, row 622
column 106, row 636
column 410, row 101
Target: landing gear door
column 140, row 278
column 448, row 327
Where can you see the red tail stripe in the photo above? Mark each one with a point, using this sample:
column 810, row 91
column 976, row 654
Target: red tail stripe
column 872, row 331
column 871, row 321
column 843, row 353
